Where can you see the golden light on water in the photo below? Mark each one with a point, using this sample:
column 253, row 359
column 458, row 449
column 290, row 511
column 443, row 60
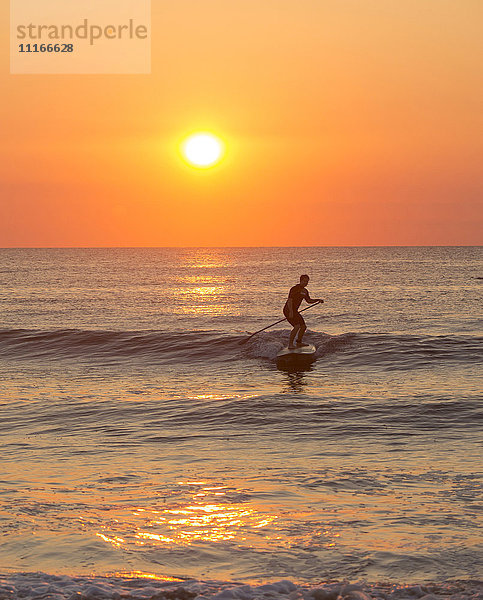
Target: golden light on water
column 221, row 397
column 210, row 512
column 202, row 290
column 114, row 540
column 143, row 575
column 207, row 292
column 207, row 516
column 207, row 258
column 199, row 522
column 204, row 299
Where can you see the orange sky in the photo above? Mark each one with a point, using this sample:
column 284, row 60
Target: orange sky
column 348, row 122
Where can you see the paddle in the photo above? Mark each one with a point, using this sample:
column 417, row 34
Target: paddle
column 276, row 323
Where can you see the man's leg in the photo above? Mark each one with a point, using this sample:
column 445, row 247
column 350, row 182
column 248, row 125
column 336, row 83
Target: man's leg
column 292, row 336
column 302, row 330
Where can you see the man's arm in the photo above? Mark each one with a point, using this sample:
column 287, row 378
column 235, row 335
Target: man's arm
column 311, row 300
column 290, row 306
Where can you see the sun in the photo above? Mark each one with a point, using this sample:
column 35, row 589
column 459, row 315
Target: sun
column 203, row 150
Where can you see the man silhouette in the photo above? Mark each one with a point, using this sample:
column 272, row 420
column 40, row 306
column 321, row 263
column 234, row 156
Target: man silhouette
column 291, row 311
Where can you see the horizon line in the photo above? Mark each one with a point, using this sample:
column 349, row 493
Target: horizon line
column 239, row 247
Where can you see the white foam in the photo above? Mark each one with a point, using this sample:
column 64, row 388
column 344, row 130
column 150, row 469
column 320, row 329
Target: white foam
column 43, row 586
column 268, row 344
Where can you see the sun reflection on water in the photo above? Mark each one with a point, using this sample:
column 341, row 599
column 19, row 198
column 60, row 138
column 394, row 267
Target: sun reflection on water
column 209, row 512
column 202, row 258
column 142, row 575
column 204, row 291
column 198, row 522
column 210, row 298
column 221, row 397
column 208, row 516
column 115, row 541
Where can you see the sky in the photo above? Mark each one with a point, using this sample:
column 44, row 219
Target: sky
column 346, row 122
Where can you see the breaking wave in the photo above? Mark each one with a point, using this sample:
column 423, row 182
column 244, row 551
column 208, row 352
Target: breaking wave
column 134, row 586
column 354, row 349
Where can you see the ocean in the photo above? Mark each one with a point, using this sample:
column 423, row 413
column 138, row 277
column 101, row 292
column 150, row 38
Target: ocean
column 147, row 453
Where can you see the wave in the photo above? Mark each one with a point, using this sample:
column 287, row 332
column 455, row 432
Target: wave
column 114, row 345
column 134, row 585
column 355, row 349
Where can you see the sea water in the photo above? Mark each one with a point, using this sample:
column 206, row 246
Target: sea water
column 144, row 446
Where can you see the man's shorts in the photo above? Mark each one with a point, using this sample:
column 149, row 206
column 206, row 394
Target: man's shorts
column 297, row 319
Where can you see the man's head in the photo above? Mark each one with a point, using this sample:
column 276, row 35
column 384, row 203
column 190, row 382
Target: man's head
column 304, row 279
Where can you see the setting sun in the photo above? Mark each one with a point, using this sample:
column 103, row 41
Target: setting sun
column 202, row 150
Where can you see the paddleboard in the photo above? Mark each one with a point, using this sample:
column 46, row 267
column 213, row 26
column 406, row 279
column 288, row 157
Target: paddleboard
column 302, row 352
